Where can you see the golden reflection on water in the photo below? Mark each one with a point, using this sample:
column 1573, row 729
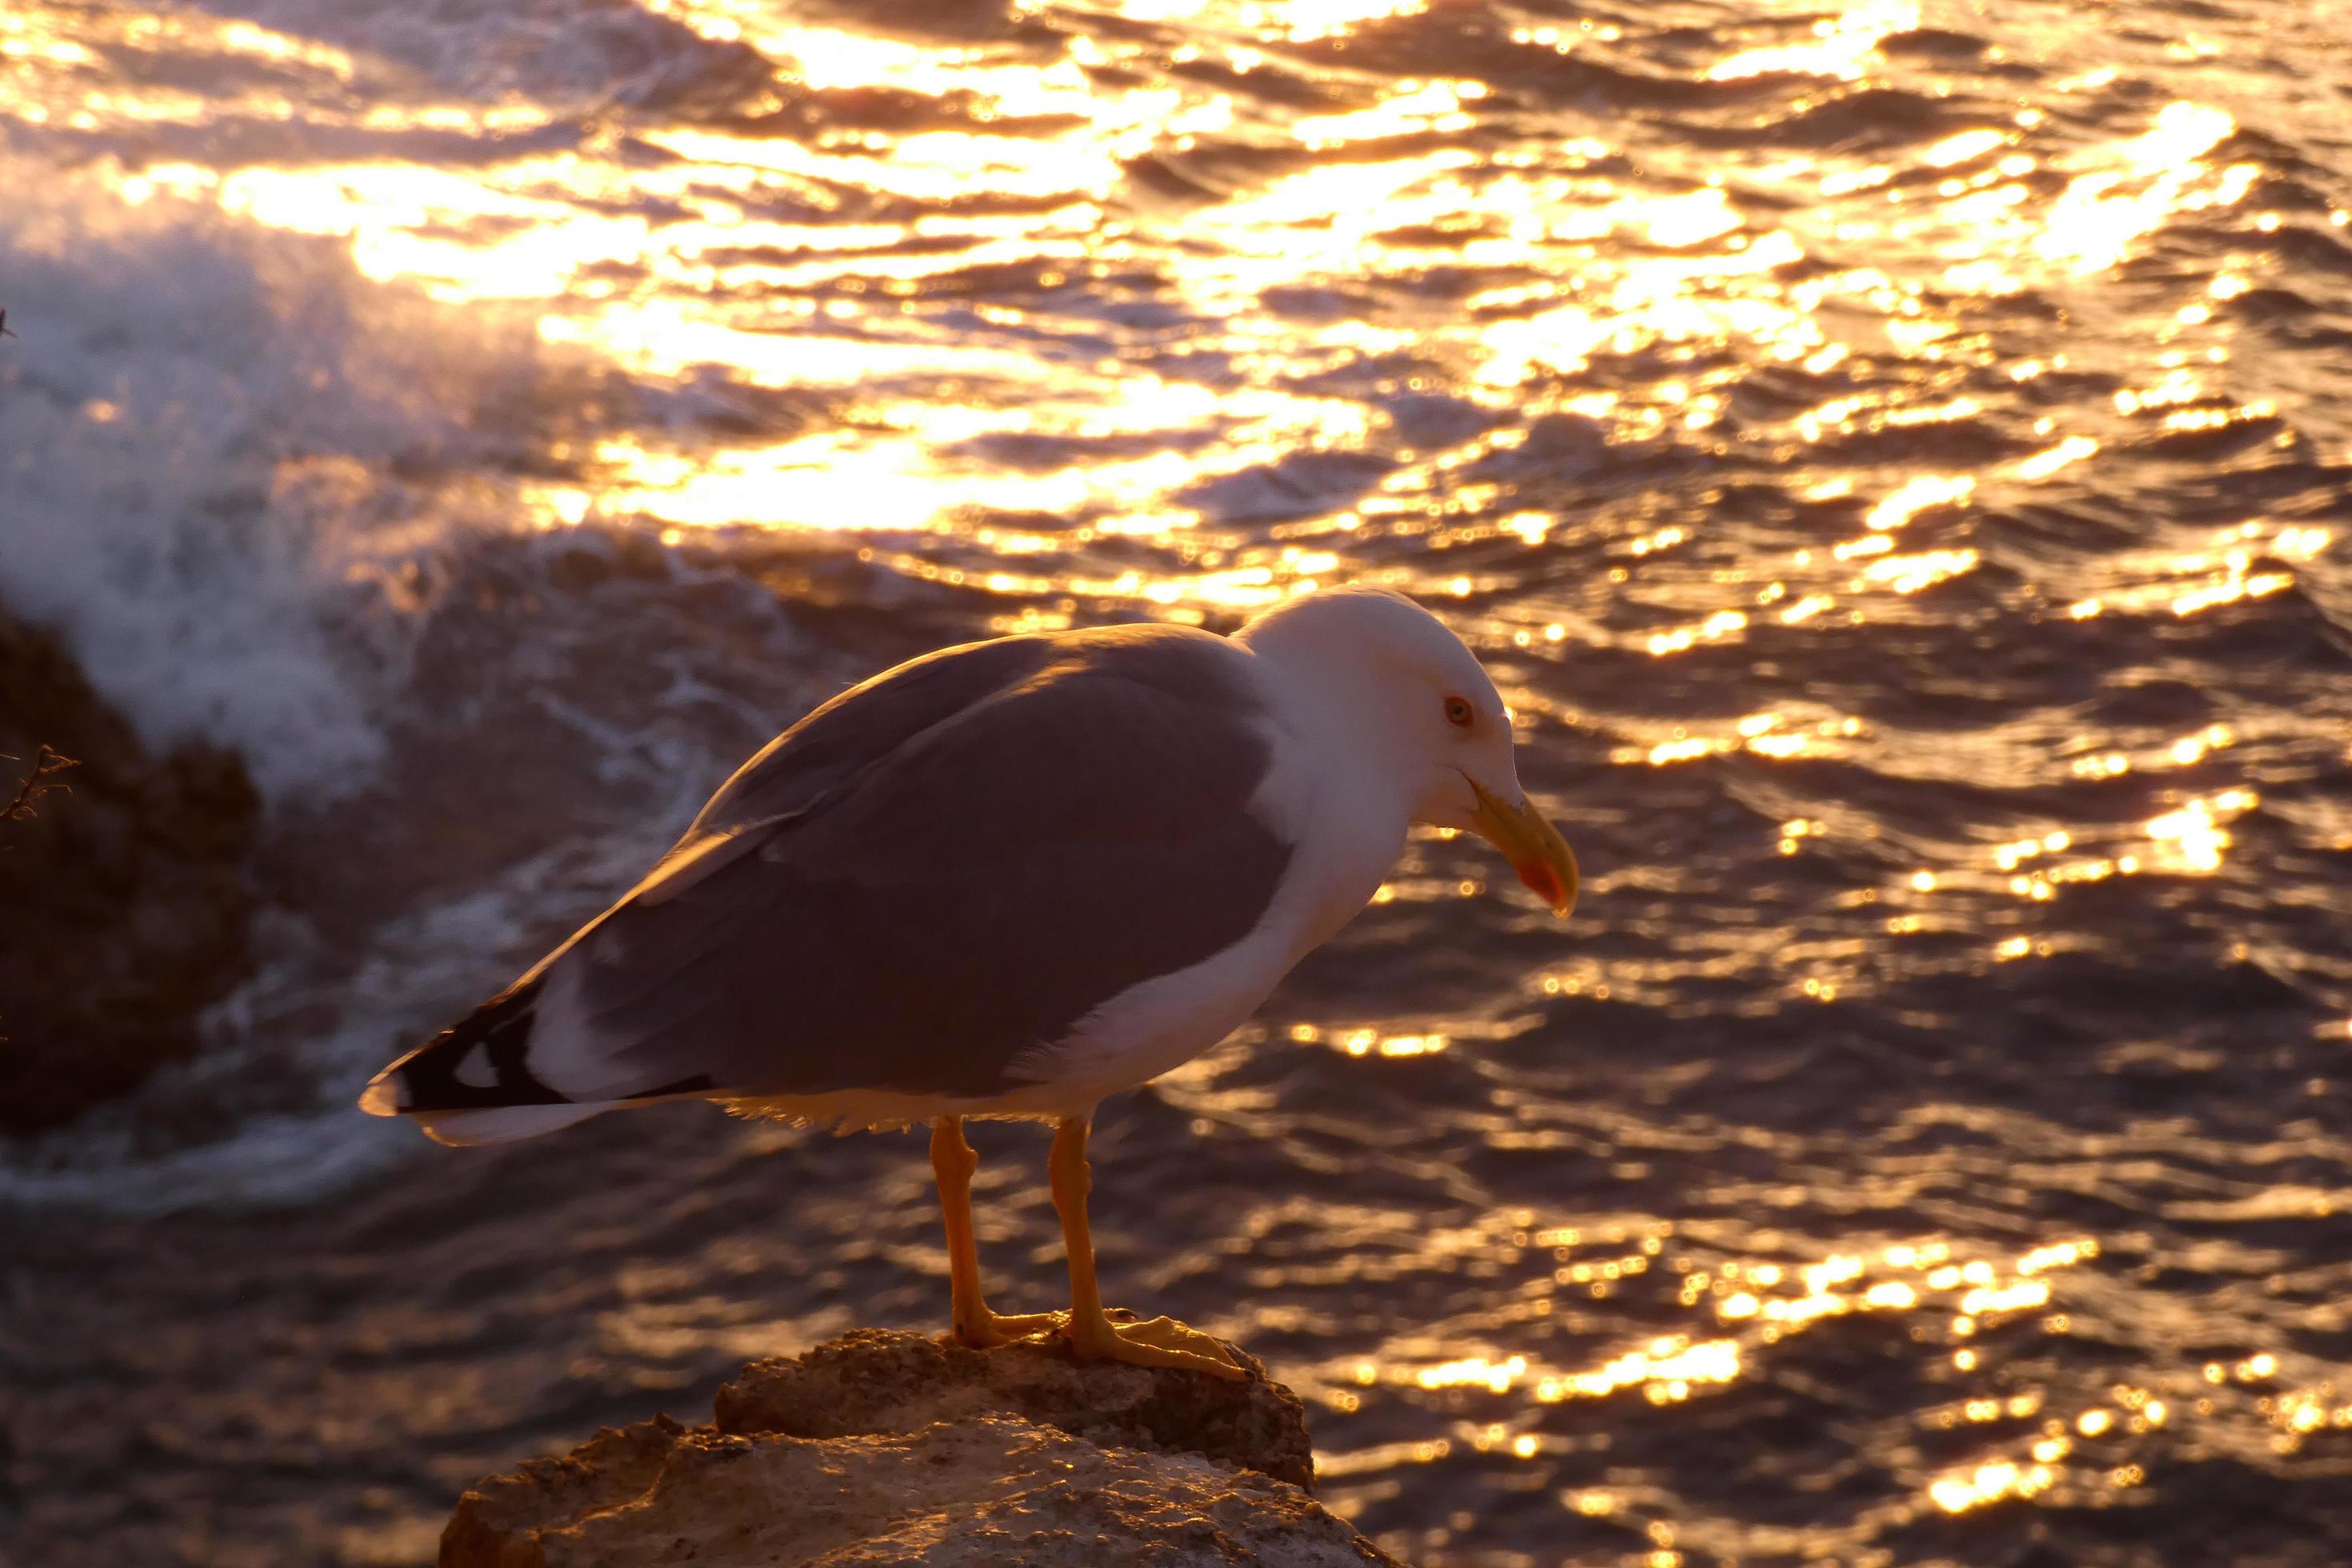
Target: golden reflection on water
column 1843, row 46
column 827, row 300
column 544, row 228
column 1294, row 21
column 1745, row 1307
column 2231, row 569
column 1371, row 1042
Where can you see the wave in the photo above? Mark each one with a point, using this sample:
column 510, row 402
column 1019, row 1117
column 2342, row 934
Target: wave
column 224, row 442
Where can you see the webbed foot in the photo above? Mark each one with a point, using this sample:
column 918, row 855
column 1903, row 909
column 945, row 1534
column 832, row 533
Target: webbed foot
column 1160, row 1342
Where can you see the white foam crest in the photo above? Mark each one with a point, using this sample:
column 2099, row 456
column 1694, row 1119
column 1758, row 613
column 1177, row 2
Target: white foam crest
column 198, row 422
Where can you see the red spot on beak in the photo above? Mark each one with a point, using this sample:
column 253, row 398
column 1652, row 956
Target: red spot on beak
column 1541, row 880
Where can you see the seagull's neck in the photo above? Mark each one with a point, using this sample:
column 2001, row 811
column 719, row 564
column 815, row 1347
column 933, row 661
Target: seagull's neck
column 1334, row 793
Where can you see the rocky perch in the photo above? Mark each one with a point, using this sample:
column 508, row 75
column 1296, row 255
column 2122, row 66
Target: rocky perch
column 887, row 1448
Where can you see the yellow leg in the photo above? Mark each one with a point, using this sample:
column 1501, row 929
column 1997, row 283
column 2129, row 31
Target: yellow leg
column 953, row 1163
column 1162, row 1341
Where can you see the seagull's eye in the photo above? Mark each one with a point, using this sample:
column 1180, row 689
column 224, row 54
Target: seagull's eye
column 1458, row 713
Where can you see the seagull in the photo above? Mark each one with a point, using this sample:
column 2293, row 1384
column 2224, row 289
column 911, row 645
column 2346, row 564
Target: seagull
column 1008, row 879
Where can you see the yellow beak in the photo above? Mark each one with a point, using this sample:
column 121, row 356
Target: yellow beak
column 1534, row 847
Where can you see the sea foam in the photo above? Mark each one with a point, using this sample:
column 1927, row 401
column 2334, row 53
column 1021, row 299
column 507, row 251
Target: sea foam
column 208, row 431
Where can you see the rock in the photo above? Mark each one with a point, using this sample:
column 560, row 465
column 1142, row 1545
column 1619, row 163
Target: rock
column 886, row 1447
column 874, row 1381
column 614, row 1466
column 124, row 903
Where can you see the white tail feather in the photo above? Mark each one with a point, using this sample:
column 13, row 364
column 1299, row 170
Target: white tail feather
column 505, row 1123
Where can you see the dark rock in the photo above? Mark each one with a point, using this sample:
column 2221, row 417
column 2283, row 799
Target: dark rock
column 615, row 1466
column 123, row 903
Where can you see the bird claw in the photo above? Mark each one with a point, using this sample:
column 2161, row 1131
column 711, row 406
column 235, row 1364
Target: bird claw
column 1160, row 1342
column 995, row 1329
column 1169, row 1334
column 1115, row 1336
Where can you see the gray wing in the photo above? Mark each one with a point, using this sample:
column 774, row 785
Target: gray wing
column 926, row 878
column 864, row 726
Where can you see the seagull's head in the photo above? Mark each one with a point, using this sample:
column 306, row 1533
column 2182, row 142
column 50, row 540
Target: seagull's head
column 1410, row 700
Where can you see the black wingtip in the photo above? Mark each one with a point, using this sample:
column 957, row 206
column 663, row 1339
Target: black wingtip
column 498, row 1031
